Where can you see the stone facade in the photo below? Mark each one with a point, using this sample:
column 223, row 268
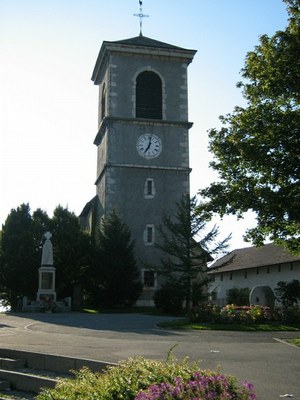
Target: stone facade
column 141, row 187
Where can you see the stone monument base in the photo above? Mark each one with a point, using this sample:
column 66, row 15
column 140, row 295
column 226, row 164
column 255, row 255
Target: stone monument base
column 63, row 305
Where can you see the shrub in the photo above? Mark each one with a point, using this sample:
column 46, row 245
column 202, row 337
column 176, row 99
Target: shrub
column 230, row 314
column 121, row 381
column 206, row 312
column 201, row 386
column 127, row 379
column 245, row 314
column 288, row 293
column 238, row 296
column 291, row 315
column 169, row 298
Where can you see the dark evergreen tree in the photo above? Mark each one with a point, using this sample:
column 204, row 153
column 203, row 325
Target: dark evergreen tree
column 188, row 246
column 71, row 251
column 21, row 250
column 257, row 149
column 41, row 224
column 19, row 257
column 115, row 275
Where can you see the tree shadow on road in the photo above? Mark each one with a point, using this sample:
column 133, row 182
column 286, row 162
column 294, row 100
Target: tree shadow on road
column 119, row 323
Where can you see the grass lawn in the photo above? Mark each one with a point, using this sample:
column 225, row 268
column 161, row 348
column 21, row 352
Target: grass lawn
column 296, row 342
column 185, row 324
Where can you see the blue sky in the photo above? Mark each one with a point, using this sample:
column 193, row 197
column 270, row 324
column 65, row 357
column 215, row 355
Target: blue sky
column 48, row 104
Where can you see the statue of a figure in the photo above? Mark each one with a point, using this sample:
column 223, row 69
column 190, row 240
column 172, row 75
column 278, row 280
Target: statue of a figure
column 47, row 252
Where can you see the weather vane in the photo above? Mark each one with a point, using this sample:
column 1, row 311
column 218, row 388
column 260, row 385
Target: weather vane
column 141, row 15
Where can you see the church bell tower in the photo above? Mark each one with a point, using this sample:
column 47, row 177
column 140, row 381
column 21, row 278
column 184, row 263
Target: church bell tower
column 142, row 139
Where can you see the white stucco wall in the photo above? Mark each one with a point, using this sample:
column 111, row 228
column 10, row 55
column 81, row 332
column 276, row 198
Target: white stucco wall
column 249, row 278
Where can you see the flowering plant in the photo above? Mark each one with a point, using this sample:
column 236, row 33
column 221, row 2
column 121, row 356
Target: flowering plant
column 144, row 379
column 201, row 386
column 206, row 312
column 246, row 314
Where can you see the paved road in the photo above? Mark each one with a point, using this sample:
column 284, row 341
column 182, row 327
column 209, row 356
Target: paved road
column 265, row 359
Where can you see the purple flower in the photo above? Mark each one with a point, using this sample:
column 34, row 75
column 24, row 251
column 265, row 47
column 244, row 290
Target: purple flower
column 201, row 386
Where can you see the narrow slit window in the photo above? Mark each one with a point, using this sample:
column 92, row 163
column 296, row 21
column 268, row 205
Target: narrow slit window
column 149, row 188
column 149, row 235
column 103, row 101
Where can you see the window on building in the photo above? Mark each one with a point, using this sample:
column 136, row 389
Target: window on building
column 149, row 235
column 148, row 96
column 268, row 269
column 245, row 274
column 103, row 101
column 292, row 266
column 279, row 267
column 221, row 277
column 230, row 276
column 257, row 271
column 149, row 279
column 149, row 188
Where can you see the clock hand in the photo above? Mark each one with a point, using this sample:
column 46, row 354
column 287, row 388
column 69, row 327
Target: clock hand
column 149, row 144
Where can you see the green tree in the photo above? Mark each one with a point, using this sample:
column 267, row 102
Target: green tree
column 169, row 298
column 19, row 257
column 238, row 296
column 257, row 148
column 41, row 224
column 187, row 245
column 71, row 251
column 21, row 250
column 288, row 293
column 115, row 275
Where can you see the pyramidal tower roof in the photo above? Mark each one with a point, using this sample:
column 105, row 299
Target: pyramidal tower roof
column 141, row 45
column 147, row 42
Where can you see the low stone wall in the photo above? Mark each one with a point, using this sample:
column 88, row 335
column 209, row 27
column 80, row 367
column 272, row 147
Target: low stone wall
column 52, row 362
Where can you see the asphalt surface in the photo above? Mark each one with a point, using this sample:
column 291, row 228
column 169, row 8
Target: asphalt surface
column 264, row 359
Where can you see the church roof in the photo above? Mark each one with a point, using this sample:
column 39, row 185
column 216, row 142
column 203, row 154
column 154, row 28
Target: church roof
column 141, row 45
column 147, row 42
column 88, row 207
column 253, row 257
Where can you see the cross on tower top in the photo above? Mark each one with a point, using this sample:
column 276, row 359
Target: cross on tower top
column 141, row 15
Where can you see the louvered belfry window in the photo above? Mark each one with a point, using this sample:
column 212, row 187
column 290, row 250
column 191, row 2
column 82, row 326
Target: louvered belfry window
column 148, row 96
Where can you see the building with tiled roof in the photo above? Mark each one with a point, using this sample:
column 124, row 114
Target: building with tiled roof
column 253, row 266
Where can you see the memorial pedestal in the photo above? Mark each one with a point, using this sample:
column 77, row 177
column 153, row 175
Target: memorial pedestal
column 46, row 290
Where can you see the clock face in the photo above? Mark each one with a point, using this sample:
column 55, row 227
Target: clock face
column 149, row 146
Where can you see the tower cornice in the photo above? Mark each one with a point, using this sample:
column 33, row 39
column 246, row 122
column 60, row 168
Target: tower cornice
column 141, row 45
column 186, row 170
column 137, row 121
